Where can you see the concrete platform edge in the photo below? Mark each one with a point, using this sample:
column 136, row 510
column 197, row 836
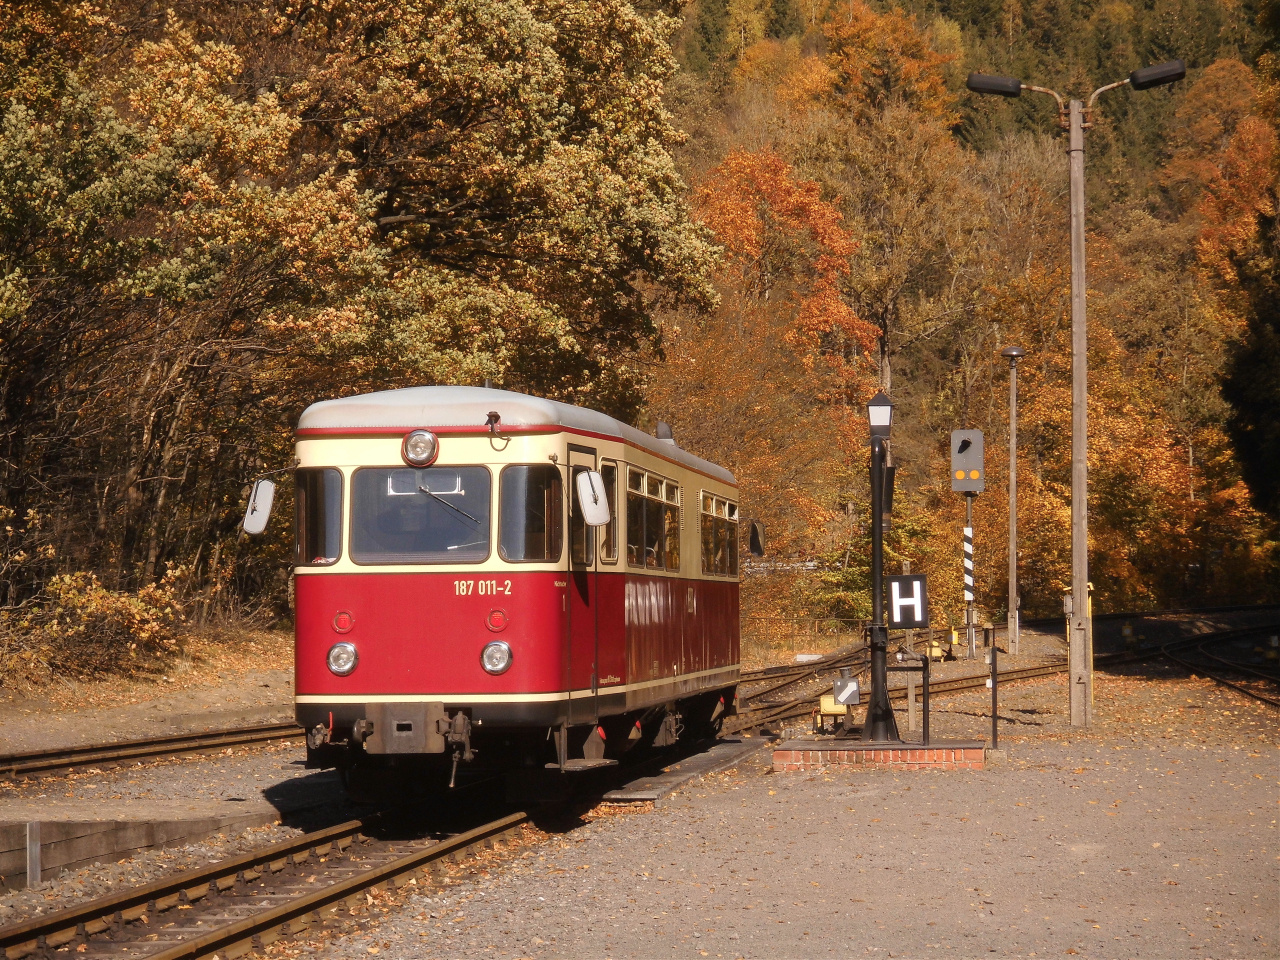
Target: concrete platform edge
column 726, row 754
column 58, row 845
column 807, row 755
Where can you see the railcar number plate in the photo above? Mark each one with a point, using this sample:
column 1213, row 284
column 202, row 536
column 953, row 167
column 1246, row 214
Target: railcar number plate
column 483, row 588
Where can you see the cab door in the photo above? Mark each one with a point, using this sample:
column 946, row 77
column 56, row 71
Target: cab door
column 584, row 646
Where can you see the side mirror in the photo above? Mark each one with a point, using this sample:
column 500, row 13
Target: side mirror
column 260, row 500
column 592, row 500
column 756, row 546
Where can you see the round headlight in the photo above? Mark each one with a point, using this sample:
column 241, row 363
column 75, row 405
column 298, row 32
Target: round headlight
column 420, row 448
column 495, row 657
column 342, row 658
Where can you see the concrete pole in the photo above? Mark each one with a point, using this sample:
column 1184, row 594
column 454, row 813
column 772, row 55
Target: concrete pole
column 1014, row 627
column 1079, row 654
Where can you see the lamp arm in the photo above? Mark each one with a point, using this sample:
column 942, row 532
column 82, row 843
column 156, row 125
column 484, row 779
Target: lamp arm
column 1063, row 120
column 1102, row 90
column 1053, row 93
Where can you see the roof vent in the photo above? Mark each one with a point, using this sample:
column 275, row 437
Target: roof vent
column 664, row 432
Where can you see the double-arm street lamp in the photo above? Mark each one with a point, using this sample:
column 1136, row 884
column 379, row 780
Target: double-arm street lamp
column 1075, row 116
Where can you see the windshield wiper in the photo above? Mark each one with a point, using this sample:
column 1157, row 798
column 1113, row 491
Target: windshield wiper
column 440, row 499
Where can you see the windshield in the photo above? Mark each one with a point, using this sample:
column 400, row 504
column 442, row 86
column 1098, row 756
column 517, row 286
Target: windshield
column 433, row 515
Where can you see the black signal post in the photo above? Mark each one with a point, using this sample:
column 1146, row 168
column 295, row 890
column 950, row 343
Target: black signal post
column 880, row 724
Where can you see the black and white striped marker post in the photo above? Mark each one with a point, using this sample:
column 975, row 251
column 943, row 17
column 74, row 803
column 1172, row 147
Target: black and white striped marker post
column 968, row 564
column 971, row 638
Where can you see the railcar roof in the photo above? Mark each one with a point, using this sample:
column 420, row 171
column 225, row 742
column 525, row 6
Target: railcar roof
column 469, row 407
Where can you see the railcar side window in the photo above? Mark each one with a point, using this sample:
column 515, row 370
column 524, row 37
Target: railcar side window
column 531, row 524
column 609, row 543
column 719, row 535
column 653, row 521
column 318, row 540
column 437, row 514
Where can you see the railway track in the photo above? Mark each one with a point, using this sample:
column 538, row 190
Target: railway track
column 244, row 903
column 50, row 762
column 776, row 678
column 760, row 715
column 764, row 715
column 1216, row 673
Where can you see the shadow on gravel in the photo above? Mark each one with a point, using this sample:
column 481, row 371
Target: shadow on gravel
column 556, row 806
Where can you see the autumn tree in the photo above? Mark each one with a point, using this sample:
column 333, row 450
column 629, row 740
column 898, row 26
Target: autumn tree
column 210, row 218
column 769, row 383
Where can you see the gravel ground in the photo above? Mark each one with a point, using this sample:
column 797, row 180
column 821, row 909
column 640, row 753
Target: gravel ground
column 220, row 681
column 1152, row 836
column 231, row 782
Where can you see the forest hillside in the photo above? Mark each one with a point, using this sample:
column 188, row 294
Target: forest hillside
column 742, row 217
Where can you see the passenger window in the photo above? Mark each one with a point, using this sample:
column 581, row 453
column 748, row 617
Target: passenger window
column 635, row 529
column 673, row 537
column 531, row 524
column 653, row 522
column 653, row 539
column 719, row 536
column 708, row 543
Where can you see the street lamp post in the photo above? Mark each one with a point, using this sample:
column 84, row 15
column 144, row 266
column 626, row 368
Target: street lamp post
column 880, row 724
column 1014, row 354
column 1074, row 117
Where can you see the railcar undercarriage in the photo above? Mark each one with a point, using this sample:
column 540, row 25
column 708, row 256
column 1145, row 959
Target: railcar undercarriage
column 404, row 750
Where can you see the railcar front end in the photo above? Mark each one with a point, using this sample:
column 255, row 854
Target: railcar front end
column 455, row 606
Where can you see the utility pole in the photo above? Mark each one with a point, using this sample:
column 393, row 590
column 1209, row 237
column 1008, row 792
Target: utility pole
column 1080, row 666
column 1014, row 627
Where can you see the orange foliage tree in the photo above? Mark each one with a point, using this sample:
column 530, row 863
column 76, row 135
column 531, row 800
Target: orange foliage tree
column 769, row 383
column 880, row 58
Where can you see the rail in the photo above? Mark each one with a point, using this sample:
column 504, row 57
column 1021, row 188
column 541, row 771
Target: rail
column 72, row 758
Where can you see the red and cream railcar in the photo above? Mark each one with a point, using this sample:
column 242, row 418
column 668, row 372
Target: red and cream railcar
column 452, row 600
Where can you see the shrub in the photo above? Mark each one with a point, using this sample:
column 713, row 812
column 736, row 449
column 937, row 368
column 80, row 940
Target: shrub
column 81, row 628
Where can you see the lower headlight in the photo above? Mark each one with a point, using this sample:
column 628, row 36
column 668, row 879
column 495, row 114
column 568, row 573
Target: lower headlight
column 495, row 657
column 342, row 658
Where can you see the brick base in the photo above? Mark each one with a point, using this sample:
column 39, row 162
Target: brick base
column 809, row 755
